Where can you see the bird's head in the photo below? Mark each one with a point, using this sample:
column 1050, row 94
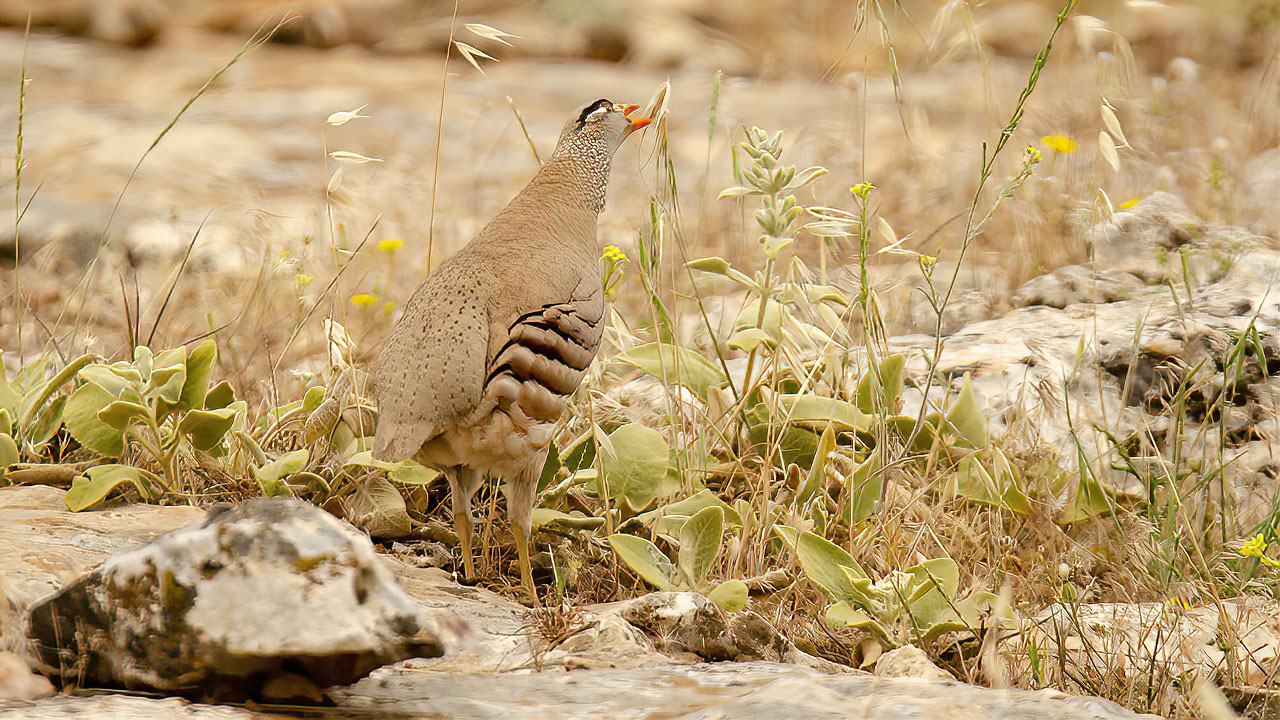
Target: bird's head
column 600, row 126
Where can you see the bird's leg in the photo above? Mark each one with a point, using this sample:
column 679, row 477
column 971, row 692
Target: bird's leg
column 463, row 484
column 520, row 492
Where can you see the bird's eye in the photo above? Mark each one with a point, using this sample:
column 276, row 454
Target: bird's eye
column 596, row 114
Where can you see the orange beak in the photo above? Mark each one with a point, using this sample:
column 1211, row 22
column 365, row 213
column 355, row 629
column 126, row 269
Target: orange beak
column 636, row 123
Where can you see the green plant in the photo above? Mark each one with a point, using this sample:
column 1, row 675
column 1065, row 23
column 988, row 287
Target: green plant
column 30, row 414
column 701, row 537
column 916, row 605
column 160, row 403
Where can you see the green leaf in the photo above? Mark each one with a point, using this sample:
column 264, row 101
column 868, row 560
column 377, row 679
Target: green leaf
column 824, row 563
column 80, row 415
column 111, row 379
column 730, row 595
column 673, row 364
column 169, row 376
column 1091, row 500
column 9, row 397
column 700, row 540
column 120, row 414
column 716, row 265
column 818, row 410
column 550, row 468
column 884, row 389
column 199, row 366
column 47, row 421
column 378, row 508
column 271, row 476
column 818, row 469
column 748, row 339
column 636, row 467
column 312, row 398
column 8, row 452
column 749, row 317
column 6, row 420
column 787, row 535
column 668, row 519
column 206, row 428
column 406, row 472
column 866, row 485
column 97, row 482
column 843, row 613
column 219, row 396
column 966, row 419
column 646, row 560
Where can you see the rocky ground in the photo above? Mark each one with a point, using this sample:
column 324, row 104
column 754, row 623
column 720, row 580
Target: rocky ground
column 498, row 659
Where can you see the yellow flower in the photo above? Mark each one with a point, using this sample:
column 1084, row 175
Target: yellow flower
column 862, row 189
column 364, row 300
column 389, row 306
column 303, row 280
column 614, row 255
column 1255, row 547
column 390, row 245
column 1130, row 202
column 1060, row 144
column 1030, row 156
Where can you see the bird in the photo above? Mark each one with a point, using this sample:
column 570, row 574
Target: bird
column 477, row 369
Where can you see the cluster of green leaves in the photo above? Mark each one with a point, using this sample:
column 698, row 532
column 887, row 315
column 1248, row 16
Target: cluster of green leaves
column 30, row 409
column 917, row 604
column 160, row 403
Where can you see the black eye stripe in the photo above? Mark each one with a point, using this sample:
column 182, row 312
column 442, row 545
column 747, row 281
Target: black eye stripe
column 592, row 108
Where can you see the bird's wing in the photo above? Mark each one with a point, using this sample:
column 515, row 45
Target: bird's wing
column 545, row 353
column 432, row 368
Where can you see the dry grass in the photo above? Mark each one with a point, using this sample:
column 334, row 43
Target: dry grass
column 1192, row 126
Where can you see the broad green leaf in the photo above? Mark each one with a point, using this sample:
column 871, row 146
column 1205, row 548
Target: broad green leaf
column 819, row 410
column 824, row 562
column 378, row 508
column 6, row 419
column 700, row 540
column 143, row 362
column 313, row 397
column 580, row 453
column 206, row 428
column 406, row 472
column 716, row 265
column 31, row 376
column 903, row 425
column 1091, row 500
column 199, row 368
column 8, row 452
column 219, row 396
column 120, row 414
column 97, row 482
column 637, row 467
column 1006, row 479
column 817, row 475
column 771, row 322
column 966, row 418
column 47, row 421
column 108, row 379
column 673, row 364
column 271, row 476
column 866, row 486
column 547, row 516
column 80, row 415
column 9, row 396
column 843, row 613
column 169, row 376
column 668, row 519
column 550, row 468
column 787, row 535
column 883, row 390
column 748, row 339
column 730, row 595
column 646, row 560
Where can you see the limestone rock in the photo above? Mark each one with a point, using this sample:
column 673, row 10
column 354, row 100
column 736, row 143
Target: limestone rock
column 1239, row 646
column 250, row 593
column 909, row 661
column 1074, row 284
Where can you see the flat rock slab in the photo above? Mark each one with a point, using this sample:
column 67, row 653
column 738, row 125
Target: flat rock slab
column 720, row 690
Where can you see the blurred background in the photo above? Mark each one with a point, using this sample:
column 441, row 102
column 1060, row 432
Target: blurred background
column 900, row 94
